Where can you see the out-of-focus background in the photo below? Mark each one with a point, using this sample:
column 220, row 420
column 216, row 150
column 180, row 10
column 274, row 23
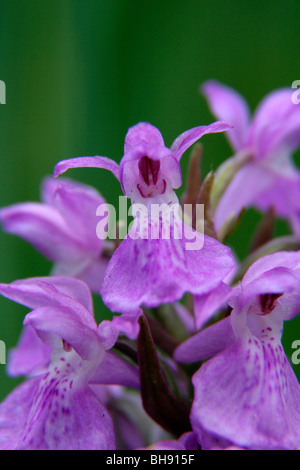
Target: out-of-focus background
column 78, row 73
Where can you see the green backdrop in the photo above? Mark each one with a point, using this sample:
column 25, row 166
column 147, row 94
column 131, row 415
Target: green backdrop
column 78, row 73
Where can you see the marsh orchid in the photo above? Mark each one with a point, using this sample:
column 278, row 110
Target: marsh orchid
column 268, row 177
column 161, row 258
column 56, row 408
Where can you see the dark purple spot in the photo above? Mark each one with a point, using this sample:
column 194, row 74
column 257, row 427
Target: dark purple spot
column 149, row 170
column 267, row 302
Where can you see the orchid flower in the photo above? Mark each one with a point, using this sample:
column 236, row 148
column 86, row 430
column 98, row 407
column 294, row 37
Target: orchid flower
column 63, row 229
column 56, row 408
column 149, row 269
column 268, row 178
column 247, row 394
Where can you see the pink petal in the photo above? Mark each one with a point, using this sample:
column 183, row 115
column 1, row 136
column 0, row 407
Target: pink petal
column 142, row 132
column 188, row 138
column 154, row 271
column 247, row 185
column 206, row 343
column 77, row 204
column 14, row 412
column 90, row 162
column 281, row 259
column 51, row 291
column 284, row 196
column 249, row 395
column 114, row 370
column 275, row 125
column 206, row 305
column 89, row 271
column 44, row 228
column 228, row 105
column 66, row 416
column 30, row 356
column 64, row 323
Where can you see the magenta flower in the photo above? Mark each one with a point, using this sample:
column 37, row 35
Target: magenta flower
column 153, row 269
column 56, row 408
column 247, row 393
column 269, row 178
column 63, row 228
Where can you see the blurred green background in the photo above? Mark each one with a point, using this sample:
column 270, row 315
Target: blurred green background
column 78, row 73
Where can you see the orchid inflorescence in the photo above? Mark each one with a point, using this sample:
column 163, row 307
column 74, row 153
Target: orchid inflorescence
column 191, row 358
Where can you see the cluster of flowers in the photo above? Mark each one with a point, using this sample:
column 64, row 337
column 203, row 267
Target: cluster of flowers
column 192, row 356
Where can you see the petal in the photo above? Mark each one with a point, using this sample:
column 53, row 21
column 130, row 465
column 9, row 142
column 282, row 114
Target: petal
column 48, row 291
column 114, row 370
column 89, row 271
column 44, row 228
column 142, row 132
column 230, row 106
column 65, row 416
column 276, row 125
column 77, row 204
column 275, row 281
column 206, row 305
column 188, row 138
column 282, row 259
column 63, row 322
column 30, row 356
column 284, row 196
column 247, row 185
column 206, row 343
column 126, row 324
column 249, row 395
column 90, row 162
column 152, row 271
column 14, row 412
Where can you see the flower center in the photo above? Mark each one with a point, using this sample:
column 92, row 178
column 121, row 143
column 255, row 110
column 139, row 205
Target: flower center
column 151, row 183
column 267, row 302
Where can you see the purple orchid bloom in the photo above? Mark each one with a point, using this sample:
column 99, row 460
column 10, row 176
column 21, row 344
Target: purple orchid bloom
column 151, row 270
column 269, row 178
column 63, row 229
column 56, row 407
column 247, row 394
